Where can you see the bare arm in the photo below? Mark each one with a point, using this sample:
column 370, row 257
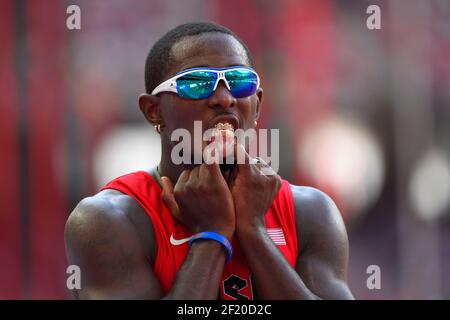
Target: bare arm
column 323, row 246
column 272, row 275
column 104, row 243
column 323, row 253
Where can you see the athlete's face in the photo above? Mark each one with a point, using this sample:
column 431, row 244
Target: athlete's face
column 215, row 50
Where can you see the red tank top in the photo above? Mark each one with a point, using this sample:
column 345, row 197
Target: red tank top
column 236, row 279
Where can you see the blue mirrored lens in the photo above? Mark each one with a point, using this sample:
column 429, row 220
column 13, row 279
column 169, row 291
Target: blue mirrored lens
column 196, row 85
column 243, row 83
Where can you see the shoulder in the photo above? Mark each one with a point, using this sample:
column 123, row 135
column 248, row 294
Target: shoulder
column 322, row 260
column 317, row 217
column 313, row 203
column 107, row 219
column 98, row 218
column 107, row 207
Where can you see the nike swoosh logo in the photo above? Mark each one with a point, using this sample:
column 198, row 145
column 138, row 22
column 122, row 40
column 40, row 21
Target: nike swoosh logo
column 176, row 242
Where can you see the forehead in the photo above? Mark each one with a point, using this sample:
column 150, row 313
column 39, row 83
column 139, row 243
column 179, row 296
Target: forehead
column 216, row 50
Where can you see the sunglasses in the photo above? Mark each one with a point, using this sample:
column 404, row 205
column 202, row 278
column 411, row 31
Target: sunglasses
column 200, row 83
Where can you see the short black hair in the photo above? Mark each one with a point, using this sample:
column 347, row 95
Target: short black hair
column 159, row 58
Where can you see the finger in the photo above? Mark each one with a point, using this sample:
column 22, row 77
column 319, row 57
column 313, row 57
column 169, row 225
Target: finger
column 264, row 168
column 195, row 173
column 184, row 176
column 203, row 172
column 168, row 196
column 213, row 170
column 194, row 176
column 211, row 153
column 260, row 161
column 243, row 159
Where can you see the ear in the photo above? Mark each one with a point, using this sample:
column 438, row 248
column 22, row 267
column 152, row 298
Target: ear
column 149, row 105
column 259, row 96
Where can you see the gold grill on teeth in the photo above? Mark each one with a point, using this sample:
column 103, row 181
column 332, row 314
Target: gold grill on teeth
column 224, row 126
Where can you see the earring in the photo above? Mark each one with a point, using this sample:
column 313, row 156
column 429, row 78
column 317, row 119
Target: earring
column 158, row 128
column 256, row 123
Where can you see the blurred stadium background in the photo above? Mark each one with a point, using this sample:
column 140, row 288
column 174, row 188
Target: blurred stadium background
column 364, row 115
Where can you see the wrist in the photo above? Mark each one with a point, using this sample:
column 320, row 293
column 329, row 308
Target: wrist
column 215, row 237
column 226, row 232
column 255, row 225
column 250, row 236
column 208, row 249
column 249, row 233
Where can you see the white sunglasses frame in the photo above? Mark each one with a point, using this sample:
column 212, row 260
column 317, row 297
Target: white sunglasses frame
column 170, row 85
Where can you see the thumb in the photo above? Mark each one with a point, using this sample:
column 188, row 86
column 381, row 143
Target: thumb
column 168, row 196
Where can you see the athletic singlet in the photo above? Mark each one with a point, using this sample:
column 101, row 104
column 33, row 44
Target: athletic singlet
column 236, row 281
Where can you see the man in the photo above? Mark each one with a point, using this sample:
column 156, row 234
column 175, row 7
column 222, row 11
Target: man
column 206, row 231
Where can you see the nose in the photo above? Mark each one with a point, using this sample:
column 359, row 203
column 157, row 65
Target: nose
column 221, row 97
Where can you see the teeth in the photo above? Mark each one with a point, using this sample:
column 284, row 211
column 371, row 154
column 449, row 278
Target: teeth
column 224, row 131
column 224, row 126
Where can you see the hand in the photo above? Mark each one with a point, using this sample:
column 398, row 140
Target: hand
column 253, row 191
column 201, row 200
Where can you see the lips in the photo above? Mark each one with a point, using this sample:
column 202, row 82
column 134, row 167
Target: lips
column 222, row 133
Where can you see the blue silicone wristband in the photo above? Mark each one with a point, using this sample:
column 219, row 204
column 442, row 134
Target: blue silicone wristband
column 217, row 237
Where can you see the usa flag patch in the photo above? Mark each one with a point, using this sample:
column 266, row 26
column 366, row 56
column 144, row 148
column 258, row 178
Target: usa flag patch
column 277, row 236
